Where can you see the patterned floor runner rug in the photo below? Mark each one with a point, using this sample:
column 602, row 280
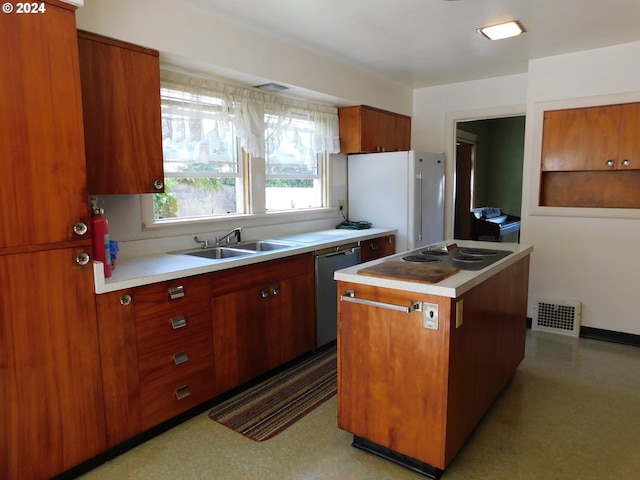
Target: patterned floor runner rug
column 263, row 411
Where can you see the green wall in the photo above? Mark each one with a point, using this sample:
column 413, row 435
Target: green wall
column 498, row 162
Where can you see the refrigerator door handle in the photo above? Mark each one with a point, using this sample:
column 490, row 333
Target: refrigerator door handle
column 420, row 178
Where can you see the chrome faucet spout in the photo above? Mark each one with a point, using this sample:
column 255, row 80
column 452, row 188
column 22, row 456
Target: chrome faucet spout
column 235, row 232
column 205, row 243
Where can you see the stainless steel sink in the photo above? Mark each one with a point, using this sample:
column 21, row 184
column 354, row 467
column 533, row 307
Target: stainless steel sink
column 218, row 253
column 264, row 245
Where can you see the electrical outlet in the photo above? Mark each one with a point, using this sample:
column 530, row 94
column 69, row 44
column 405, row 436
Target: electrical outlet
column 341, row 204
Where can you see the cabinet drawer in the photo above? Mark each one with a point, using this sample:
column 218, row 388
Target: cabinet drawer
column 169, row 396
column 174, row 324
column 160, row 297
column 175, row 357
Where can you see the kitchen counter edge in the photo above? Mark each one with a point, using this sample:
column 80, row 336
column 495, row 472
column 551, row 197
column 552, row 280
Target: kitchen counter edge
column 136, row 272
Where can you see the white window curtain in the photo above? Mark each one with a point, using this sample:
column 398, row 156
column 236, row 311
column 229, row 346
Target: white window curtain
column 246, row 109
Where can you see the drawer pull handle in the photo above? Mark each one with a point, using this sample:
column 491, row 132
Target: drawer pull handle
column 178, row 322
column 180, row 357
column 183, row 392
column 264, row 293
column 176, row 292
column 350, row 296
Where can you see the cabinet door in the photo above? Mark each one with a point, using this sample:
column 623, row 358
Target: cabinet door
column 380, row 392
column 289, row 332
column 581, row 139
column 629, row 152
column 119, row 361
column 240, row 344
column 52, row 415
column 122, row 120
column 42, row 186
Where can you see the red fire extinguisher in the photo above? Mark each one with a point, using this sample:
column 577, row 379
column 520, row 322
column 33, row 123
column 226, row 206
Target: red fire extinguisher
column 100, row 238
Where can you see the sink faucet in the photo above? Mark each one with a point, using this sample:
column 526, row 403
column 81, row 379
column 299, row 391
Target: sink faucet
column 235, row 232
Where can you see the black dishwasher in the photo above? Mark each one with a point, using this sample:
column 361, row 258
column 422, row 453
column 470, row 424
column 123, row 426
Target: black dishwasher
column 328, row 261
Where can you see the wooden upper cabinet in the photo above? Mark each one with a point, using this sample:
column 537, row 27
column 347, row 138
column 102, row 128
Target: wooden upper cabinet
column 122, row 119
column 42, row 187
column 592, row 138
column 629, row 149
column 365, row 129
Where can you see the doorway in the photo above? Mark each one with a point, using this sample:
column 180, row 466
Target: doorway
column 488, row 170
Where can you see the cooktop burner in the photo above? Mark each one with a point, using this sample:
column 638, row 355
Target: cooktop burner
column 477, row 251
column 434, row 252
column 422, row 258
column 468, row 258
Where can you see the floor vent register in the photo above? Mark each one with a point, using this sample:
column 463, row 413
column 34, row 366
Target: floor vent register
column 557, row 315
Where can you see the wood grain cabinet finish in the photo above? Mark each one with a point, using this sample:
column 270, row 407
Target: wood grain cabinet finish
column 122, row 119
column 592, row 138
column 51, row 399
column 263, row 316
column 591, row 157
column 377, row 248
column 418, row 391
column 157, row 348
column 42, row 186
column 366, row 130
column 52, row 410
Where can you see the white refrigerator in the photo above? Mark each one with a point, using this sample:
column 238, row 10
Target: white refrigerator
column 399, row 190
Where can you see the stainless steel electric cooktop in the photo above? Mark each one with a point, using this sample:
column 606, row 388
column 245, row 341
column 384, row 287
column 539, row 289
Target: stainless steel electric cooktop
column 463, row 258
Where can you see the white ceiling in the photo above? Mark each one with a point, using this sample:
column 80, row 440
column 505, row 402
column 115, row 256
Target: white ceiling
column 420, row 43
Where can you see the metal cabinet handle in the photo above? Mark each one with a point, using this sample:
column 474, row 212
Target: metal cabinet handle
column 183, row 392
column 158, row 184
column 178, row 322
column 80, row 228
column 610, row 163
column 275, row 290
column 626, row 162
column 420, row 179
column 125, row 300
column 350, row 296
column 180, row 357
column 264, row 293
column 82, row 259
column 176, row 292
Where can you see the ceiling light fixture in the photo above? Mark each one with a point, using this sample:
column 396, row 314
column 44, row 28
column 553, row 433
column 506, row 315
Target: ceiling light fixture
column 272, row 87
column 502, row 30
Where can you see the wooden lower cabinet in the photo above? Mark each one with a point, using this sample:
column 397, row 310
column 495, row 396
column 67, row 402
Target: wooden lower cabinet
column 171, row 346
column 51, row 402
column 377, row 248
column 157, row 353
column 420, row 392
column 263, row 316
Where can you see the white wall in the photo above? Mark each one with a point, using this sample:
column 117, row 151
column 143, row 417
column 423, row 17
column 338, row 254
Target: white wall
column 180, row 30
column 591, row 255
column 436, row 109
column 193, row 39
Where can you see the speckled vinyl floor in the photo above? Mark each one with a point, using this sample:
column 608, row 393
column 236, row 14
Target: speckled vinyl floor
column 571, row 411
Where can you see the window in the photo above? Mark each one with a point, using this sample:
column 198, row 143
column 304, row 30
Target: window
column 293, row 170
column 203, row 176
column 214, row 136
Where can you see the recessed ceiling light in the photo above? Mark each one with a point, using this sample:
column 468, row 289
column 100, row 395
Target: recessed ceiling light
column 502, row 30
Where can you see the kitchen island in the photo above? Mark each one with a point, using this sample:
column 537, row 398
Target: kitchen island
column 419, row 363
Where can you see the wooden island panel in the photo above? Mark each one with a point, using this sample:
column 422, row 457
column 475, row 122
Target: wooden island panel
column 421, row 392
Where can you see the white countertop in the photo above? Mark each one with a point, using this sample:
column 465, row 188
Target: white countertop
column 134, row 272
column 452, row 286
